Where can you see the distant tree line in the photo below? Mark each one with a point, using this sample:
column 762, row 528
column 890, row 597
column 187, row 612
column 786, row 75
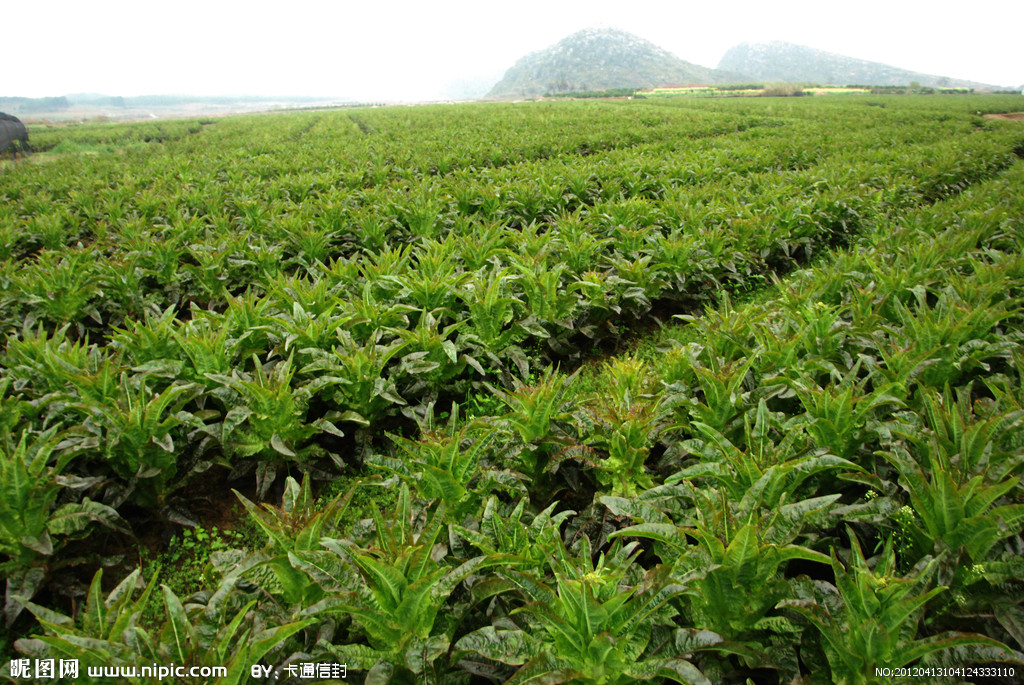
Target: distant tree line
column 740, row 86
column 607, row 93
column 913, row 88
column 30, row 105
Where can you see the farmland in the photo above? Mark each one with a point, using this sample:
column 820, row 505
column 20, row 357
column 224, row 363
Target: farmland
column 680, row 390
column 751, row 90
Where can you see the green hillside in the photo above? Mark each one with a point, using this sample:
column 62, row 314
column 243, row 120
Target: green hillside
column 599, row 59
column 780, row 61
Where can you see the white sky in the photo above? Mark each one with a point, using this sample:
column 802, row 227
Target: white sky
column 402, row 50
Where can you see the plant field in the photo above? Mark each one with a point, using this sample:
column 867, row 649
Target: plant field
column 669, row 390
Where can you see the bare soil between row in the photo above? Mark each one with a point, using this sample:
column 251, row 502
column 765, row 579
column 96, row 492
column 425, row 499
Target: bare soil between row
column 1008, row 116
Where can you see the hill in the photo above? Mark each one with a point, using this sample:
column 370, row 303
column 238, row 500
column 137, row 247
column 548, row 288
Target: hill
column 780, row 61
column 599, row 59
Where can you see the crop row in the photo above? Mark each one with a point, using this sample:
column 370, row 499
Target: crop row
column 354, row 341
column 589, row 217
column 393, row 302
column 226, row 160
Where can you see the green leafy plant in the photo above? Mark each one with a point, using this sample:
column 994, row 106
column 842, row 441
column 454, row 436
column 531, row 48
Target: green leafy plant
column 446, row 466
column 433, row 285
column 741, row 549
column 267, row 419
column 579, row 247
column 963, row 513
column 219, row 630
column 955, row 331
column 61, row 288
column 640, row 282
column 296, row 526
column 546, row 298
column 843, row 416
column 491, row 309
column 965, row 442
column 628, row 417
column 725, row 398
column 208, row 349
column 33, row 528
column 537, row 415
column 433, row 358
column 300, row 521
column 872, row 617
column 371, row 312
column 218, row 270
column 150, row 343
column 353, row 378
column 41, row 364
column 593, row 624
column 133, row 430
column 399, row 603
column 507, row 532
column 302, row 330
column 773, row 471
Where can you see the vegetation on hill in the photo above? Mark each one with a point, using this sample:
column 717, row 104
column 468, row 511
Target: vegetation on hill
column 781, row 61
column 599, row 59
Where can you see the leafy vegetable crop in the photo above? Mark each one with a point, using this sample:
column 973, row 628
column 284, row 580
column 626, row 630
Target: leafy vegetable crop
column 659, row 390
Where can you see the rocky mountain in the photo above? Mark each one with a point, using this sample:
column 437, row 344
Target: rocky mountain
column 780, row 61
column 600, row 59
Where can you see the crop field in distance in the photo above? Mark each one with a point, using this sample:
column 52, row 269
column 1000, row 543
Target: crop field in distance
column 675, row 389
column 753, row 90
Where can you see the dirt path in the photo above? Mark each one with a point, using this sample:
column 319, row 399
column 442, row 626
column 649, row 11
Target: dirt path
column 1009, row 116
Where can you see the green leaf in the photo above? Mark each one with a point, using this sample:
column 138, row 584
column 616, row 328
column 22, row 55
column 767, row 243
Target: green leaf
column 449, row 349
column 357, row 656
column 942, row 642
column 95, row 616
column 668, row 533
column 180, row 630
column 636, row 509
column 543, row 670
column 267, row 521
column 353, row 417
column 420, row 654
column 797, row 552
column 261, row 643
column 512, row 647
column 75, row 517
column 164, row 442
column 1011, row 618
column 418, row 607
column 380, row 674
column 329, row 427
column 278, row 444
column 22, row 586
column 383, row 631
column 118, row 600
column 682, row 671
column 294, row 583
column 742, row 553
column 38, row 543
column 387, row 583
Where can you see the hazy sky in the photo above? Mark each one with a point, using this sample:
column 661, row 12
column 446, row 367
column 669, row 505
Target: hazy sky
column 401, row 50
